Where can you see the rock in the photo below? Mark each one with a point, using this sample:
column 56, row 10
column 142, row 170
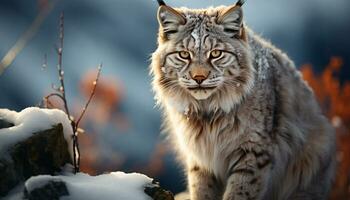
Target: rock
column 157, row 193
column 53, row 190
column 5, row 124
column 55, row 187
column 45, row 152
column 33, row 164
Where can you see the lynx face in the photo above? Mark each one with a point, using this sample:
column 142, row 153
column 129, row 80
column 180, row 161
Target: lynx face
column 202, row 56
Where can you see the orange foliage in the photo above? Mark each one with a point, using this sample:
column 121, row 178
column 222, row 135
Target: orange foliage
column 89, row 153
column 108, row 90
column 334, row 99
column 103, row 109
column 107, row 96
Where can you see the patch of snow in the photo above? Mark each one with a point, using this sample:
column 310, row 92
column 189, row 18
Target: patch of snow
column 31, row 120
column 113, row 186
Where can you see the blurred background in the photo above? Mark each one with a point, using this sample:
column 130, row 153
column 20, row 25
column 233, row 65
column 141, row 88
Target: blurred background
column 122, row 125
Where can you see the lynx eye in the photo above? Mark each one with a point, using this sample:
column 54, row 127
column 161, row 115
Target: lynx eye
column 184, row 55
column 215, row 54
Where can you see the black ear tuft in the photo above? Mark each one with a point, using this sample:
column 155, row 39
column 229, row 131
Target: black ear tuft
column 161, row 3
column 240, row 3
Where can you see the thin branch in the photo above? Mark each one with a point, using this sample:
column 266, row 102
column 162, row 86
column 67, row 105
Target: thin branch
column 59, row 66
column 61, row 93
column 62, row 90
column 25, row 37
column 76, row 162
column 75, row 138
column 54, row 94
column 49, row 104
column 47, row 101
column 90, row 97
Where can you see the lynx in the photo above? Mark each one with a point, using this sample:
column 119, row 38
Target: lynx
column 244, row 123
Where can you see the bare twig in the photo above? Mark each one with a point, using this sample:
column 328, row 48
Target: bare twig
column 54, row 94
column 59, row 66
column 62, row 90
column 76, row 158
column 91, row 95
column 75, row 139
column 84, row 110
column 61, row 93
column 47, row 103
column 25, row 37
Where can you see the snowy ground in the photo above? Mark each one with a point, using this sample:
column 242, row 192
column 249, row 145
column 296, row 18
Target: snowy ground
column 113, row 186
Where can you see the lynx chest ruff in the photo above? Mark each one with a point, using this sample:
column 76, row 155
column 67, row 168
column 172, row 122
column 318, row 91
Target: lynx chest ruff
column 214, row 141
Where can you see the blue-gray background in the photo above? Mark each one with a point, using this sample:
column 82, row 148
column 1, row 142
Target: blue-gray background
column 122, row 35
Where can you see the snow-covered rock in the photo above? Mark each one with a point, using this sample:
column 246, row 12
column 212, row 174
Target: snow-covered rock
column 32, row 120
column 35, row 163
column 112, row 186
column 32, row 142
column 5, row 124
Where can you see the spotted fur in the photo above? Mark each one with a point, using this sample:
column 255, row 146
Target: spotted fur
column 250, row 128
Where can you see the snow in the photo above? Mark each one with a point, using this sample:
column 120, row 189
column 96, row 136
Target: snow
column 112, row 186
column 29, row 121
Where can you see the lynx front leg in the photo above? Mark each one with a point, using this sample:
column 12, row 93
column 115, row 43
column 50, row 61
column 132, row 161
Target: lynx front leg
column 248, row 178
column 202, row 184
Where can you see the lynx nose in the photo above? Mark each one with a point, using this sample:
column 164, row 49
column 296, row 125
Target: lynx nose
column 199, row 74
column 199, row 79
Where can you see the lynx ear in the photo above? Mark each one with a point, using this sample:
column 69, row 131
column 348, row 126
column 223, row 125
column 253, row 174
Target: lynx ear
column 232, row 20
column 169, row 19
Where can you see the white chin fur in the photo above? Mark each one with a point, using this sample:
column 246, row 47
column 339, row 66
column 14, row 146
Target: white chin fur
column 201, row 94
